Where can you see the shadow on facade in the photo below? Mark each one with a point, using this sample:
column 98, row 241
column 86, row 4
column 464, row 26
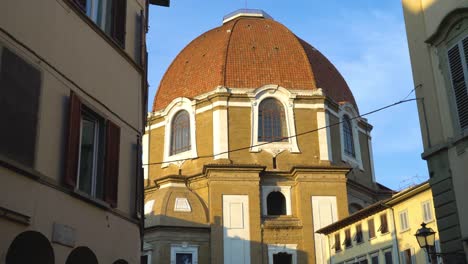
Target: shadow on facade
column 187, row 242
column 33, row 247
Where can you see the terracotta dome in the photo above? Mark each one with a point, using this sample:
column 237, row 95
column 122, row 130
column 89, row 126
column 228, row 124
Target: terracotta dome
column 249, row 52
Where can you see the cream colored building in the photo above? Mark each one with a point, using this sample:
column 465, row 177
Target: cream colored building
column 72, row 105
column 254, row 143
column 438, row 42
column 384, row 232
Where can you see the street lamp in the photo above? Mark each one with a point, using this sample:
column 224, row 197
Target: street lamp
column 426, row 240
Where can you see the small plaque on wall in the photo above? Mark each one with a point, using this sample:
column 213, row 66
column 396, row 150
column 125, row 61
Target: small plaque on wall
column 64, row 235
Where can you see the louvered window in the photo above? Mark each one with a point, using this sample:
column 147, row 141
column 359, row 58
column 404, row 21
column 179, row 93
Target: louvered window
column 458, row 61
column 109, row 15
column 180, row 133
column 337, row 245
column 348, row 137
column 271, row 121
column 371, row 228
column 347, row 242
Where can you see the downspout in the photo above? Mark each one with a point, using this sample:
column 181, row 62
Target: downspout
column 395, row 242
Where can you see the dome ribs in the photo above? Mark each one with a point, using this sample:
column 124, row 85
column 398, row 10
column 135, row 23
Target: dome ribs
column 249, row 52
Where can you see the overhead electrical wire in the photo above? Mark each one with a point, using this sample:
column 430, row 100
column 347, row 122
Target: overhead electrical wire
column 292, row 136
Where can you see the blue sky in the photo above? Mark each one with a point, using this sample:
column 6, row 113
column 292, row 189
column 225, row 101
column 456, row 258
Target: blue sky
column 364, row 39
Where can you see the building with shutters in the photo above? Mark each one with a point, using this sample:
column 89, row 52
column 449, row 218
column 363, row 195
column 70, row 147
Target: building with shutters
column 438, row 43
column 73, row 98
column 237, row 169
column 384, row 232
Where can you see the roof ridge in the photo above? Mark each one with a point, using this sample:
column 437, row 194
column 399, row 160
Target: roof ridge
column 234, row 23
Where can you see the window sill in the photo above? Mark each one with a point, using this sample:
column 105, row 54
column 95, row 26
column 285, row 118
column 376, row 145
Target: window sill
column 107, row 38
column 179, row 158
column 386, row 233
column 93, row 200
column 429, row 221
column 404, row 231
column 281, row 221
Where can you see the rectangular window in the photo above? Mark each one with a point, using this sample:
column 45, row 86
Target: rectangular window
column 404, row 220
column 183, row 255
column 20, row 89
column 358, row 236
column 361, row 260
column 109, row 15
column 407, row 256
column 90, row 164
column 347, row 241
column 388, row 257
column 383, row 224
column 458, row 64
column 427, row 211
column 92, row 158
column 375, row 258
column 337, row 242
column 371, row 227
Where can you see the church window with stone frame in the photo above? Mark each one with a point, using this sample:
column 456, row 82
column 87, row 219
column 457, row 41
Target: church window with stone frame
column 180, row 133
column 348, row 137
column 276, row 204
column 271, row 121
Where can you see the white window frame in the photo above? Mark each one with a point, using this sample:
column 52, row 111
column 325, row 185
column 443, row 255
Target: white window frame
column 348, row 109
column 412, row 256
column 98, row 152
column 429, row 207
column 389, row 249
column 184, row 249
column 285, row 190
column 169, row 113
column 185, row 202
column 286, row 98
column 374, row 254
column 286, row 248
column 92, row 11
column 404, row 214
column 147, row 251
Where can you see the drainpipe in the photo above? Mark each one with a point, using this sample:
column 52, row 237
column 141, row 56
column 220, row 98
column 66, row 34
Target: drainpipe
column 395, row 235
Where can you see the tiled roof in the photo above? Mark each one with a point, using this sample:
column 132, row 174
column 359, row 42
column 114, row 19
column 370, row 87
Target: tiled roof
column 249, row 52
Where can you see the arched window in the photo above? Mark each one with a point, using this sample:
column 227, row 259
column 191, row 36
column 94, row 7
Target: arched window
column 271, row 121
column 82, row 255
column 276, row 204
column 30, row 247
column 348, row 137
column 180, row 133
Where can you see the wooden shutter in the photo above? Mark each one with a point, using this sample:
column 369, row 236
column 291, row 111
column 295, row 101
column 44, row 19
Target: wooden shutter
column 111, row 171
column 459, row 82
column 139, row 199
column 119, row 17
column 73, row 141
column 20, row 90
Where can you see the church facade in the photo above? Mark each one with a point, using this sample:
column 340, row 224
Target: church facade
column 254, row 143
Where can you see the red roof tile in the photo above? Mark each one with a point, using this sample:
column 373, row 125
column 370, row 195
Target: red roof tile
column 249, row 53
